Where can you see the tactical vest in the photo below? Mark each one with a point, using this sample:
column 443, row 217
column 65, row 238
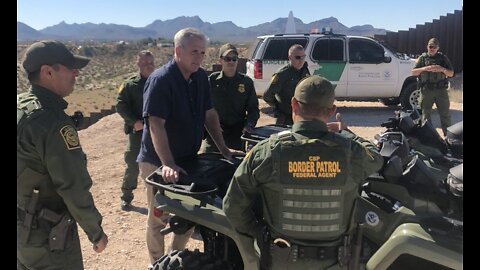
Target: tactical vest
column 312, row 196
column 433, row 78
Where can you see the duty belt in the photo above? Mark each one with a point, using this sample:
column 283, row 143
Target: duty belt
column 311, row 252
column 318, row 253
column 440, row 84
column 20, row 214
column 21, row 217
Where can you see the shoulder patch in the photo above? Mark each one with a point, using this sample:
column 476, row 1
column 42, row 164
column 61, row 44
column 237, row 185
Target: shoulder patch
column 70, row 136
column 121, row 87
column 274, row 79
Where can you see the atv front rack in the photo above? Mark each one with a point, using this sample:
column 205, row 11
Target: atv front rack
column 207, row 174
column 262, row 133
column 186, row 185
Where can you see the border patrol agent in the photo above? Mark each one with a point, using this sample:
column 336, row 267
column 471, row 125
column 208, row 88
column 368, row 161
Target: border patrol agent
column 234, row 98
column 129, row 106
column 433, row 68
column 282, row 86
column 308, row 180
column 52, row 179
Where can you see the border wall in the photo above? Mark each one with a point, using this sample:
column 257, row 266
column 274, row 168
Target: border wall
column 448, row 29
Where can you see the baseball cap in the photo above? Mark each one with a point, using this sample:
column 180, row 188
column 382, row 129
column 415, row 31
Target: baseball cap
column 226, row 48
column 50, row 52
column 315, row 90
column 434, row 42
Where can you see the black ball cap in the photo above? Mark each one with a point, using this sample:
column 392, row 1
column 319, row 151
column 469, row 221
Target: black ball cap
column 50, row 52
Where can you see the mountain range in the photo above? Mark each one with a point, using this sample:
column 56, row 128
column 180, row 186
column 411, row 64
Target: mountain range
column 221, row 31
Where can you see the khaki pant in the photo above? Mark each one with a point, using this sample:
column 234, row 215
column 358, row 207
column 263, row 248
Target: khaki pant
column 155, row 240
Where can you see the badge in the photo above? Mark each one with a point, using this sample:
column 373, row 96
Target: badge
column 241, row 88
column 274, row 79
column 70, row 136
column 120, row 88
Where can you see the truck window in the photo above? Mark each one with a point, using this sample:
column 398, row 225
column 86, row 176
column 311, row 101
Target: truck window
column 365, row 51
column 277, row 49
column 327, row 49
column 253, row 50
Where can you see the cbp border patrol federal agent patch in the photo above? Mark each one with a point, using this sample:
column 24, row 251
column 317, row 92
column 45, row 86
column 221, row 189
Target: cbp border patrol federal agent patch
column 70, row 136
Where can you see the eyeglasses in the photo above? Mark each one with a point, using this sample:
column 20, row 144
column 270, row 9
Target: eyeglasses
column 432, row 47
column 230, row 59
column 298, row 57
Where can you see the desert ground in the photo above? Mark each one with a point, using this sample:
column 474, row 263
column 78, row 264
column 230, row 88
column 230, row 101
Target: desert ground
column 104, row 143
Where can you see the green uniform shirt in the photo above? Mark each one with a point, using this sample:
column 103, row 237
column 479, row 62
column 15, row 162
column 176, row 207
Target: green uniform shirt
column 234, row 99
column 433, row 77
column 282, row 87
column 130, row 100
column 50, row 158
column 255, row 171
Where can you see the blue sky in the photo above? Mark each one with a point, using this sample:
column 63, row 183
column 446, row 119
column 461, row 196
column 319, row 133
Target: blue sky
column 390, row 15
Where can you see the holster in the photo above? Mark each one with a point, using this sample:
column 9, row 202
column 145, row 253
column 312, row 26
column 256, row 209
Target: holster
column 59, row 232
column 28, row 216
column 263, row 238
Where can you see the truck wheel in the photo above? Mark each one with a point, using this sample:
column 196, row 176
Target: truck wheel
column 409, row 97
column 390, row 101
column 187, row 259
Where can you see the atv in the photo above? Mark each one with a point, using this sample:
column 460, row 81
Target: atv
column 407, row 216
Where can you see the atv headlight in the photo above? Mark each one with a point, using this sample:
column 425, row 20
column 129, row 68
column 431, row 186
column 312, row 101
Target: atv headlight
column 455, row 185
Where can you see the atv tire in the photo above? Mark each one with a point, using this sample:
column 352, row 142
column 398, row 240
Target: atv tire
column 190, row 260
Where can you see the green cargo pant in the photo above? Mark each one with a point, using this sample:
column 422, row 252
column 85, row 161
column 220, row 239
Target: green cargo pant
column 130, row 178
column 283, row 118
column 440, row 97
column 36, row 253
column 231, row 137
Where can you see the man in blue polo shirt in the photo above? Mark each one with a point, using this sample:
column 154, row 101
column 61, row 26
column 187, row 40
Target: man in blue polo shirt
column 176, row 109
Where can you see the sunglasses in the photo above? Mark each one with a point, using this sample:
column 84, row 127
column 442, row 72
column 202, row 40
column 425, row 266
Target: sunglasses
column 230, row 59
column 298, row 57
column 432, row 47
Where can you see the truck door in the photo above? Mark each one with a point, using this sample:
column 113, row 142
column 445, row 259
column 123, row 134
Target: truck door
column 368, row 73
column 328, row 56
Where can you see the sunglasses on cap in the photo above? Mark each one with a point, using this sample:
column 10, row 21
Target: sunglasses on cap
column 432, row 46
column 298, row 57
column 230, row 59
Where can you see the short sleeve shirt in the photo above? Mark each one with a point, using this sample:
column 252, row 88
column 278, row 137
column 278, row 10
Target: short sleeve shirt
column 182, row 104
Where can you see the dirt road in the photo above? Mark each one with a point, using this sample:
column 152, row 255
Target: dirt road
column 104, row 144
